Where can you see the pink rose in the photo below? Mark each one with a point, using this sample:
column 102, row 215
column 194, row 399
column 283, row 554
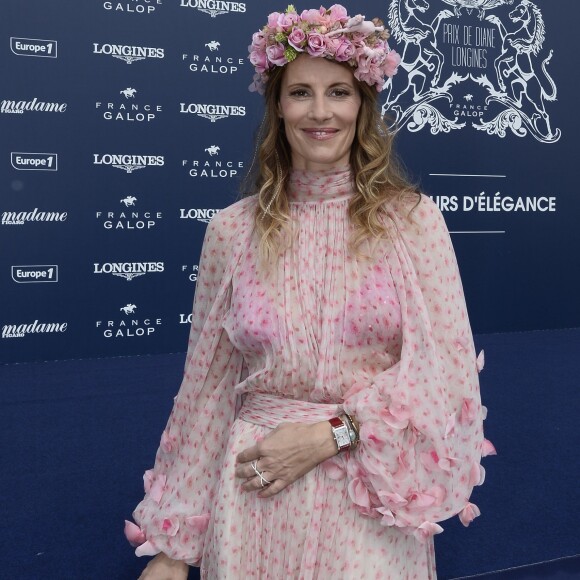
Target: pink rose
column 313, row 16
column 286, row 21
column 273, row 19
column 275, row 54
column 297, row 39
column 345, row 50
column 391, row 63
column 258, row 40
column 316, row 44
column 469, row 513
column 338, row 12
column 260, row 61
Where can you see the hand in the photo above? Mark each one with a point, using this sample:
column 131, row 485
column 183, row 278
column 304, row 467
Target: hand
column 162, row 567
column 285, row 455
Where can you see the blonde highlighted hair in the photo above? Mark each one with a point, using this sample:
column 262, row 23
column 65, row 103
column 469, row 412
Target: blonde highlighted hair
column 379, row 176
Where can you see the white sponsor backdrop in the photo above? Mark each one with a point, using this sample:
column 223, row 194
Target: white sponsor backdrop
column 126, row 126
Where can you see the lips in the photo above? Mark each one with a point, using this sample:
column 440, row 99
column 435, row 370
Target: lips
column 320, row 133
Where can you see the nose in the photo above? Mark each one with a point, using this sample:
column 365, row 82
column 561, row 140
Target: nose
column 319, row 109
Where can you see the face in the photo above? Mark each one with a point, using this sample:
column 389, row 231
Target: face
column 319, row 103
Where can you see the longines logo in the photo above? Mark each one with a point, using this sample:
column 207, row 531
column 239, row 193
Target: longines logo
column 128, row 163
column 34, row 161
column 34, row 47
column 190, row 271
column 128, row 220
column 201, row 215
column 21, row 330
column 212, row 164
column 128, row 326
column 214, row 7
column 129, row 54
column 128, row 108
column 21, row 107
column 19, row 218
column 185, row 318
column 128, row 270
column 133, row 7
column 480, row 65
column 212, row 61
column 212, row 112
column 34, row 274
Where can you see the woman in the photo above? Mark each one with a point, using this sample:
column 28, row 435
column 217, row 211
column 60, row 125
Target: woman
column 329, row 414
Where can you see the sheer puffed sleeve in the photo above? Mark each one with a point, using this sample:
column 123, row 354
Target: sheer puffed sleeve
column 421, row 420
column 179, row 490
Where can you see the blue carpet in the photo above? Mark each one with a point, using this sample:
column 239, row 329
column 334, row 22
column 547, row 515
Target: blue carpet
column 78, row 435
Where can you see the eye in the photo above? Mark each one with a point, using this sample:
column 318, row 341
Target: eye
column 340, row 92
column 299, row 93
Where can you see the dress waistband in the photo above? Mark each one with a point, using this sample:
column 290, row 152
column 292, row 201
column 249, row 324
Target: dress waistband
column 270, row 411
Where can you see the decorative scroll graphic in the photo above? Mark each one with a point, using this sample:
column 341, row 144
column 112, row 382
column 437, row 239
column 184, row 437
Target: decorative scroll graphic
column 477, row 65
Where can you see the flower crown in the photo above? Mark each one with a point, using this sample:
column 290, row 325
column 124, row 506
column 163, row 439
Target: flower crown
column 329, row 33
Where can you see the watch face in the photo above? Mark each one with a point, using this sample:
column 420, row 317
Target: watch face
column 342, row 437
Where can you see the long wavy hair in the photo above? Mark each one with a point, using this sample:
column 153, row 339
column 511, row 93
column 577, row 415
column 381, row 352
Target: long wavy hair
column 378, row 174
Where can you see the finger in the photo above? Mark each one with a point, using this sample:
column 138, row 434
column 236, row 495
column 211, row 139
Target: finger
column 245, row 470
column 248, row 455
column 256, row 483
column 271, row 490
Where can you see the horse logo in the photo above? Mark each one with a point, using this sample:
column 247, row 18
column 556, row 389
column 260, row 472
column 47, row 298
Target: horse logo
column 213, row 45
column 129, row 200
column 128, row 92
column 213, row 150
column 129, row 309
column 495, row 54
column 480, row 5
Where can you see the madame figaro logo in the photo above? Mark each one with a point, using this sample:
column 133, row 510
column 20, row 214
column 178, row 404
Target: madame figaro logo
column 21, row 107
column 21, row 330
column 128, row 53
column 34, row 161
column 212, row 112
column 133, row 7
column 19, row 218
column 128, row 163
column 34, row 47
column 214, row 7
column 128, row 270
column 32, row 274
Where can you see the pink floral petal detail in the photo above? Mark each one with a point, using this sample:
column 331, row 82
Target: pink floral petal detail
column 369, row 436
column 430, row 459
column 450, row 426
column 426, row 530
column 480, row 362
column 333, row 469
column 484, row 412
column 170, row 526
column 392, row 500
column 148, row 478
column 461, row 343
column 157, row 488
column 146, row 549
column 468, row 412
column 198, row 524
column 396, row 416
column 388, row 518
column 447, row 463
column 476, row 474
column 487, row 448
column 469, row 513
column 134, row 534
column 359, row 493
column 420, row 500
column 167, row 442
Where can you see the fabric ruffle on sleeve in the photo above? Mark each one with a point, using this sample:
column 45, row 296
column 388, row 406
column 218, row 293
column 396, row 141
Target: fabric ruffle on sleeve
column 174, row 515
column 421, row 420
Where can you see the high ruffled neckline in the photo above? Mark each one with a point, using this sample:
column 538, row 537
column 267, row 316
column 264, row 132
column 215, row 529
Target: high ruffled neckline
column 330, row 184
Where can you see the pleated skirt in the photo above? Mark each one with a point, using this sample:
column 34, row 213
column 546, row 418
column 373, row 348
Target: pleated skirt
column 309, row 531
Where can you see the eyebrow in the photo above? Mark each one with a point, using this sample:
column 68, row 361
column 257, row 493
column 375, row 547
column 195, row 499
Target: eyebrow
column 341, row 83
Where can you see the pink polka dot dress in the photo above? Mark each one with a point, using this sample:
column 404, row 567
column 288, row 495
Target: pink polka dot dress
column 386, row 338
